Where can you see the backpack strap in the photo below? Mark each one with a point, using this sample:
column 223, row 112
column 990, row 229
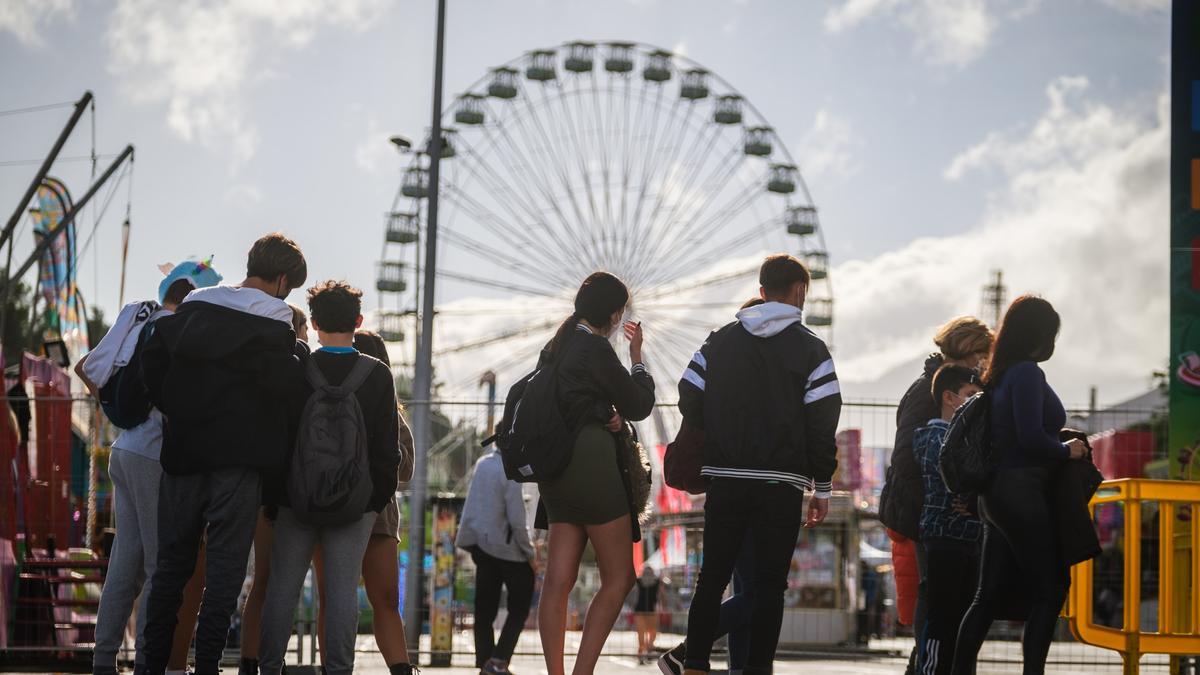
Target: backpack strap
column 355, row 379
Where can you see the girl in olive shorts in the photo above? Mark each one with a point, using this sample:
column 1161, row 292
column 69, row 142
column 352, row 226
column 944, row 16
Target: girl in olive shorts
column 588, row 500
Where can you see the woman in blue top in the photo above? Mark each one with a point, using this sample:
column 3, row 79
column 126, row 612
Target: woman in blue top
column 1019, row 536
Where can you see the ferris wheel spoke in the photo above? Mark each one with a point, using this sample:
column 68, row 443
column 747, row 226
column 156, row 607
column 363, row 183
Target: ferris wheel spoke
column 696, row 284
column 579, row 228
column 506, row 189
column 695, row 163
column 493, row 222
column 670, row 152
column 717, row 251
column 493, row 284
column 705, row 230
column 496, row 338
column 582, row 154
column 527, row 354
column 684, row 223
column 493, row 252
column 633, row 131
column 647, row 156
column 539, row 179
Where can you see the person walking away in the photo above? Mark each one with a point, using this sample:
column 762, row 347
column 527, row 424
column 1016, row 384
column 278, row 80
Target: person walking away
column 493, row 530
column 963, row 341
column 736, row 610
column 357, row 414
column 220, row 370
column 765, row 392
column 588, row 500
column 1019, row 532
column 135, row 471
column 263, row 537
column 950, row 533
column 645, row 611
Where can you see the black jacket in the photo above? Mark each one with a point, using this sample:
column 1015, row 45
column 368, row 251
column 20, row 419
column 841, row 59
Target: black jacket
column 592, row 382
column 765, row 392
column 221, row 378
column 903, row 492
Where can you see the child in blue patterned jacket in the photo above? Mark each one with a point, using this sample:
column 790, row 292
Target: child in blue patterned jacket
column 950, row 532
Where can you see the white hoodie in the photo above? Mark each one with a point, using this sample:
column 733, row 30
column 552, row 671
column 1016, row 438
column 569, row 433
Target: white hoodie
column 769, row 318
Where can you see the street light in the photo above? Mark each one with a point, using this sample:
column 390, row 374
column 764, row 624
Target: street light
column 402, row 144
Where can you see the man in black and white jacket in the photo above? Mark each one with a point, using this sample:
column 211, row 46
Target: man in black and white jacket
column 765, row 392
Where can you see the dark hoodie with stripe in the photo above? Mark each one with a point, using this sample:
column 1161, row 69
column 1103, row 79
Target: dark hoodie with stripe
column 766, row 394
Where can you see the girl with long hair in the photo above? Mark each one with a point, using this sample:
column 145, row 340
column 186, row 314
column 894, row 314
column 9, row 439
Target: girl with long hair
column 588, row 501
column 1019, row 536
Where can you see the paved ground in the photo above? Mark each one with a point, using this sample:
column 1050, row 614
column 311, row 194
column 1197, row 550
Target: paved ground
column 883, row 657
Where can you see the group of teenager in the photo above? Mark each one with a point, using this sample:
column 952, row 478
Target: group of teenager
column 210, row 474
column 964, row 560
column 233, row 381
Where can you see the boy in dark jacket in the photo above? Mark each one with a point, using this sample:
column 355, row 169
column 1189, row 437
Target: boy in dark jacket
column 764, row 391
column 950, row 533
column 220, row 370
column 334, row 309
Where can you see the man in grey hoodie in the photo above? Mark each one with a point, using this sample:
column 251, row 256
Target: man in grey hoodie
column 493, row 531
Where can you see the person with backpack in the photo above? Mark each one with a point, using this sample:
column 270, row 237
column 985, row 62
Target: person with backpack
column 493, row 530
column 220, row 369
column 586, row 499
column 339, row 477
column 1020, row 539
column 950, row 532
column 962, row 341
column 764, row 391
column 134, row 465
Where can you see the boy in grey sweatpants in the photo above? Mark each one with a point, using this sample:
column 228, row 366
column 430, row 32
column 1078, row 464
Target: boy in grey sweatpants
column 335, row 313
column 135, row 471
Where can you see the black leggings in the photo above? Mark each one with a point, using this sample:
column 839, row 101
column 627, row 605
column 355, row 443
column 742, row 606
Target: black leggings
column 1019, row 546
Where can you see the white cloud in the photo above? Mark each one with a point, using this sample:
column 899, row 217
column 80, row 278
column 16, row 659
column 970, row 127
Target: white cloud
column 374, row 152
column 826, row 149
column 1137, row 6
column 945, row 32
column 199, row 59
column 24, row 18
column 1082, row 220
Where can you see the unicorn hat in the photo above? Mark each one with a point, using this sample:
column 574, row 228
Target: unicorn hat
column 199, row 273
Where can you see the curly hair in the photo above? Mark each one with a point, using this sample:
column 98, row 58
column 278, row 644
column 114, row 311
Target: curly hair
column 334, row 306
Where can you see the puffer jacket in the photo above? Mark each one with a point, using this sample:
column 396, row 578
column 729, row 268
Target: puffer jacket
column 903, row 494
column 908, row 576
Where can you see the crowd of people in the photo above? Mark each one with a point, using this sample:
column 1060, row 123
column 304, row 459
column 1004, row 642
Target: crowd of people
column 250, row 439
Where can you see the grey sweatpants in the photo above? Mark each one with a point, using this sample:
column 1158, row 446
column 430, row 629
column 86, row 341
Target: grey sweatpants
column 342, row 551
column 131, row 565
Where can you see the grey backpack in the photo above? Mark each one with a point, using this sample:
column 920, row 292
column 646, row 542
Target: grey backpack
column 329, row 480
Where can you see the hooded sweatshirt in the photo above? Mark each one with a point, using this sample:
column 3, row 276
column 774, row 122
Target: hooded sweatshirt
column 901, row 501
column 221, row 370
column 766, row 394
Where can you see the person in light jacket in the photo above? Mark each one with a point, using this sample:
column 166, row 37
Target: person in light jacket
column 493, row 531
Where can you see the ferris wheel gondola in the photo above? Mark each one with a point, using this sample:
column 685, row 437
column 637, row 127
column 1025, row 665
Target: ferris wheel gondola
column 612, row 155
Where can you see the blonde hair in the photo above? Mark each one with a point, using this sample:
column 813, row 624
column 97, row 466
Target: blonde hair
column 962, row 336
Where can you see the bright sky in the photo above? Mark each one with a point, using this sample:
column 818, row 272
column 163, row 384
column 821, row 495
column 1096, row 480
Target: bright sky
column 940, row 139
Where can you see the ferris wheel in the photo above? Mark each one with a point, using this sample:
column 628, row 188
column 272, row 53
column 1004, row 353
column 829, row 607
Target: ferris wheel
column 617, row 156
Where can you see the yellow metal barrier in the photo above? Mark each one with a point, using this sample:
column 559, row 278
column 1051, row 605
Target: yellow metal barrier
column 1178, row 631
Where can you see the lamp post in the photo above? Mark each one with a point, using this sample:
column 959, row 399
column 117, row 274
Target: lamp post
column 423, row 377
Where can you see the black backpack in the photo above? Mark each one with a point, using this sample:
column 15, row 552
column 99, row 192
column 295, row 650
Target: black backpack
column 968, row 461
column 124, row 398
column 329, row 477
column 534, row 442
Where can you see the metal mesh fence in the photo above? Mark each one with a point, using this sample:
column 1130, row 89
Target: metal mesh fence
column 56, row 520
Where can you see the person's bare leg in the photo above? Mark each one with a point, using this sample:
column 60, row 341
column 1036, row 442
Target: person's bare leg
column 382, row 581
column 189, row 613
column 252, row 614
column 613, row 544
column 562, row 567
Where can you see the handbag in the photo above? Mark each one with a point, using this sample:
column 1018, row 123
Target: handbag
column 683, row 459
column 635, row 470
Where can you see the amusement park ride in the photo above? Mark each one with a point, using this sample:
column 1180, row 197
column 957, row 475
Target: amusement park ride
column 612, row 155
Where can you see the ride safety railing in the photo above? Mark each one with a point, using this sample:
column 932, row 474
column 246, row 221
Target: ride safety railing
column 1157, row 524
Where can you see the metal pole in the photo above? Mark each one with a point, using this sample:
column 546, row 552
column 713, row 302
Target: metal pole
column 11, row 225
column 423, row 385
column 69, row 216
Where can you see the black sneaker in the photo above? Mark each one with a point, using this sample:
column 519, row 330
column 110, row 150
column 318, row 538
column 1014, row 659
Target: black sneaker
column 671, row 663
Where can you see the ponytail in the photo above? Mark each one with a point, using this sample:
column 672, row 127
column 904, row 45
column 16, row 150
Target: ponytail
column 561, row 335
